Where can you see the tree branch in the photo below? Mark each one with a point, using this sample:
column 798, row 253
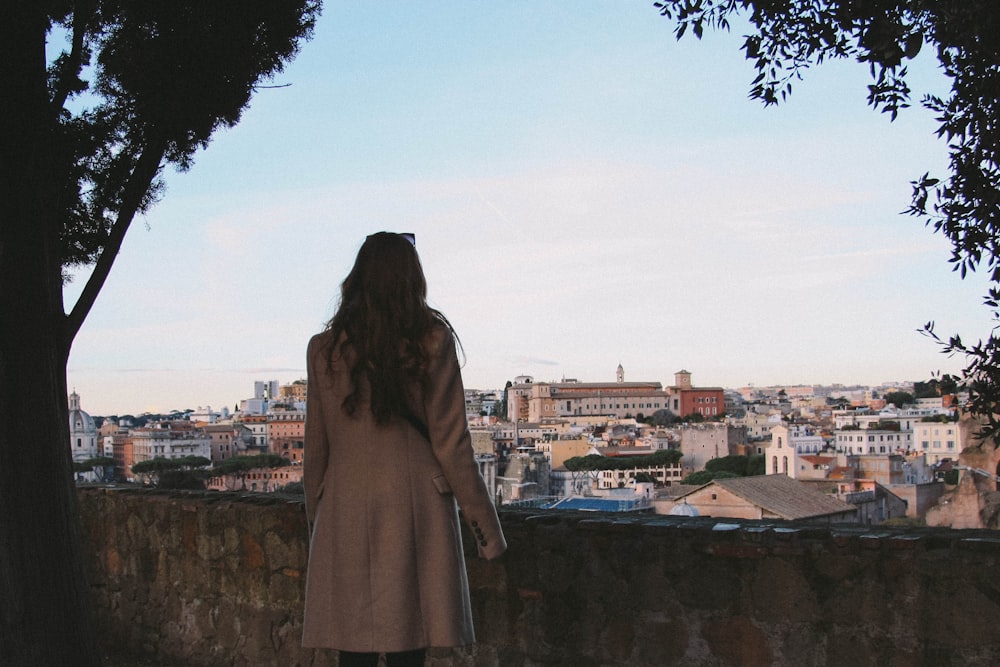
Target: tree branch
column 65, row 82
column 146, row 168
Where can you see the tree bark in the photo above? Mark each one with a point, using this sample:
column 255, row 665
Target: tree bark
column 45, row 602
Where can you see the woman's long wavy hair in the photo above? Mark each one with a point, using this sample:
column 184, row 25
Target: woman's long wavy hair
column 382, row 323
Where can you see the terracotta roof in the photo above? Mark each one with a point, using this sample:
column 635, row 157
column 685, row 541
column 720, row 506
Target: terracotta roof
column 783, row 496
column 818, row 460
column 626, row 451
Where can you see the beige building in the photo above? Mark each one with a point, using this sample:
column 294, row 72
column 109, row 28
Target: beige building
column 293, row 393
column 286, row 434
column 228, row 440
column 699, row 443
column 168, row 440
column 789, row 442
column 759, row 497
column 938, row 440
column 540, row 401
column 560, row 450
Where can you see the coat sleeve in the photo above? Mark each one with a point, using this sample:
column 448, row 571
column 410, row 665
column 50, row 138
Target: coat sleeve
column 316, row 451
column 451, row 441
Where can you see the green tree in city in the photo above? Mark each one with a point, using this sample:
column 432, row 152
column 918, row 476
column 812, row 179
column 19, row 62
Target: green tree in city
column 172, row 473
column 756, row 465
column 101, row 466
column 936, row 387
column 736, row 464
column 99, row 97
column 706, row 476
column 899, row 398
column 785, row 37
column 662, row 417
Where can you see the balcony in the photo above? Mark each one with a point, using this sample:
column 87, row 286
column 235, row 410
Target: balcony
column 206, row 579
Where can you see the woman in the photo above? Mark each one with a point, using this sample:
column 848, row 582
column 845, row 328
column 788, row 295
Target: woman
column 387, row 455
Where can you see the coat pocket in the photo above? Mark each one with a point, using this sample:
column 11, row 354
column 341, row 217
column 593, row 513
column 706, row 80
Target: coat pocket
column 441, row 482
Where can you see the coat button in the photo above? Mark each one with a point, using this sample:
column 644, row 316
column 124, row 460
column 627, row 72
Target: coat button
column 475, row 523
column 483, row 542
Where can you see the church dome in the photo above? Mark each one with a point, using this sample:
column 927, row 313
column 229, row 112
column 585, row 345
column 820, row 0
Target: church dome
column 79, row 421
column 82, row 430
column 683, row 509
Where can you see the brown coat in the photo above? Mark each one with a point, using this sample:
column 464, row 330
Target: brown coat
column 386, row 570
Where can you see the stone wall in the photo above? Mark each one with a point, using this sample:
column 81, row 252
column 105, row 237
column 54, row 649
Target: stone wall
column 212, row 579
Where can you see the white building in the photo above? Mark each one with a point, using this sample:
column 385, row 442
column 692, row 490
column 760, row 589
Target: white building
column 872, row 440
column 938, row 440
column 82, row 432
column 207, row 415
column 269, row 390
column 169, row 441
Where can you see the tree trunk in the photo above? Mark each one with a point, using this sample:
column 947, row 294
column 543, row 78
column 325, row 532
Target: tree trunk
column 45, row 610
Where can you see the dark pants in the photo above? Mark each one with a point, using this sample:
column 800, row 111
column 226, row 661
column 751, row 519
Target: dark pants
column 402, row 659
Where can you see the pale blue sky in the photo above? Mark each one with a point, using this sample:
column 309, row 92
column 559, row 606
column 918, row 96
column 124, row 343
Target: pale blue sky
column 585, row 190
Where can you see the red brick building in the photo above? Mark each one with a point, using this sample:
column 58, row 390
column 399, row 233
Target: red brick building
column 686, row 399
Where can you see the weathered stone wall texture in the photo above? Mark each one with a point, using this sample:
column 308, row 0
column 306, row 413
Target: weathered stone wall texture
column 217, row 579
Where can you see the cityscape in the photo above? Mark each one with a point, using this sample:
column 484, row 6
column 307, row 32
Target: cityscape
column 829, row 454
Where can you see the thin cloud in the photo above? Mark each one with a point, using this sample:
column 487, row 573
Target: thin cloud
column 533, row 361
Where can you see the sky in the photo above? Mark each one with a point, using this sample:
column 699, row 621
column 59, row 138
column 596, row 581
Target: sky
column 585, row 191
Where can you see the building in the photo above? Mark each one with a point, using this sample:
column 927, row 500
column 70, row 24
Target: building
column 228, row 440
column 686, row 399
column 758, row 426
column 525, row 476
column 938, row 440
column 813, row 466
column 294, row 393
column 789, row 442
column 257, row 425
column 264, row 480
column 699, row 443
column 264, row 394
column 540, row 401
column 886, row 469
column 878, row 438
column 875, row 503
column 206, row 415
column 114, row 447
column 168, row 440
column 760, row 497
column 286, row 434
column 83, row 442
